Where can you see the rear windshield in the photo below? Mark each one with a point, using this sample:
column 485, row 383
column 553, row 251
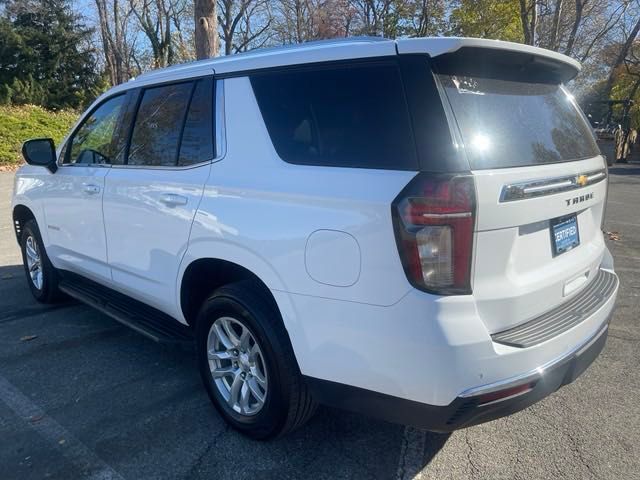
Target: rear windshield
column 339, row 116
column 513, row 123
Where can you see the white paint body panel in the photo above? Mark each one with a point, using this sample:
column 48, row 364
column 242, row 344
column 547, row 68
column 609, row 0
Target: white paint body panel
column 270, row 213
column 147, row 235
column 344, row 297
column 358, row 344
column 439, row 46
column 74, row 221
column 333, row 258
column 516, row 278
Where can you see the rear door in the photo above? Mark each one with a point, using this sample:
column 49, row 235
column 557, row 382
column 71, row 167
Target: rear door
column 150, row 201
column 541, row 189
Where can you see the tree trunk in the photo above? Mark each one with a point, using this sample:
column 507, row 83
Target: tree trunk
column 576, row 24
column 206, row 31
column 555, row 27
column 533, row 25
column 621, row 56
column 529, row 19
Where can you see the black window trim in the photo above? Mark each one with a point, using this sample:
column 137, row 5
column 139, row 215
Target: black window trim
column 455, row 160
column 136, row 109
column 218, row 124
column 63, row 161
column 194, row 85
column 250, row 72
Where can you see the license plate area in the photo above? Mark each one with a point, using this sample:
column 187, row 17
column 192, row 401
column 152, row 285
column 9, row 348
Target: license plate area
column 565, row 235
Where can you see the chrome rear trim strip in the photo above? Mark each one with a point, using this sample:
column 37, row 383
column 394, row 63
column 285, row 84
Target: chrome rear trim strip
column 550, row 186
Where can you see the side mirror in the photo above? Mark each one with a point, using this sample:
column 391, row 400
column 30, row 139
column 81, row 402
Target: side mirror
column 40, row 152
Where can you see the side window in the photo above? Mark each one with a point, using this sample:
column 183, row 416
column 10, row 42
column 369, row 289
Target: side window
column 92, row 143
column 197, row 136
column 156, row 132
column 340, row 116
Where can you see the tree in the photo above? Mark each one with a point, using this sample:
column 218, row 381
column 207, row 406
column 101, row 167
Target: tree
column 231, row 14
column 497, row 19
column 255, row 27
column 157, row 20
column 46, row 55
column 426, row 18
column 118, row 38
column 243, row 22
column 529, row 19
column 622, row 55
column 382, row 18
column 206, row 28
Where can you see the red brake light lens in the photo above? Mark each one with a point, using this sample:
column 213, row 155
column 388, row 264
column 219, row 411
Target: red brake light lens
column 434, row 219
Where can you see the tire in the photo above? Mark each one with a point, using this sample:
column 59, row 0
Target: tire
column 45, row 288
column 287, row 403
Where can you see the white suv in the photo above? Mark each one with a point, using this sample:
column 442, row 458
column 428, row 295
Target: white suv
column 409, row 229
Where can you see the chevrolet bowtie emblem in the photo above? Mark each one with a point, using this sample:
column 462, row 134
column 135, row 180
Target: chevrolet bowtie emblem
column 581, row 180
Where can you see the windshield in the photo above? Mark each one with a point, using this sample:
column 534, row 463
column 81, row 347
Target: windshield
column 508, row 123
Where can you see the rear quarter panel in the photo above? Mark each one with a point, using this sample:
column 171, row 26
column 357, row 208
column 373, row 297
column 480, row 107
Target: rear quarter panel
column 259, row 212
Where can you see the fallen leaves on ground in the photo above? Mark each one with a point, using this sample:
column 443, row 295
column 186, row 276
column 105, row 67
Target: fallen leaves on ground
column 28, row 338
column 615, row 236
column 36, row 418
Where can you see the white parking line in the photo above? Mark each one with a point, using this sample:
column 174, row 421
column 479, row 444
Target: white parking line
column 70, row 447
column 411, row 454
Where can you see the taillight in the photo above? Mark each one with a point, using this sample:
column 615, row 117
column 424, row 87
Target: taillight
column 433, row 220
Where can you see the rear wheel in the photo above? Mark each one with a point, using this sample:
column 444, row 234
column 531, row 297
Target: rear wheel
column 42, row 277
column 247, row 363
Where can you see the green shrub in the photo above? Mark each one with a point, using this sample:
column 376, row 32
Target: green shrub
column 18, row 124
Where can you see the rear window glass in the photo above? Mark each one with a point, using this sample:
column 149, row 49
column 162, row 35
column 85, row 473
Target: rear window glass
column 197, row 136
column 156, row 133
column 513, row 123
column 342, row 116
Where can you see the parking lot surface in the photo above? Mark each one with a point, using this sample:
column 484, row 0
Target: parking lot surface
column 83, row 397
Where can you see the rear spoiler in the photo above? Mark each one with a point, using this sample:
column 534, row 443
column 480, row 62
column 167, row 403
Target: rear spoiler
column 493, row 58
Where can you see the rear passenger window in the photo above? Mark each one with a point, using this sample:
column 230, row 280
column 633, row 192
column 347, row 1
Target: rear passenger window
column 343, row 116
column 159, row 121
column 197, row 138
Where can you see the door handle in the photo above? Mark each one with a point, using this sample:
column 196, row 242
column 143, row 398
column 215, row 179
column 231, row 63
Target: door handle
column 91, row 189
column 173, row 199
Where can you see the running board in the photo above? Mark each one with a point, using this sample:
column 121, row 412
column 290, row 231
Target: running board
column 148, row 321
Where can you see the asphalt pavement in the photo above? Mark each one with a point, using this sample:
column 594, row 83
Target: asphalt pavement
column 83, row 397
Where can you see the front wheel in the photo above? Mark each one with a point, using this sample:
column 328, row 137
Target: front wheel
column 42, row 277
column 247, row 363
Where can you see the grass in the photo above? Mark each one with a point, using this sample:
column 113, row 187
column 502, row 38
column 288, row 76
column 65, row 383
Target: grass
column 21, row 123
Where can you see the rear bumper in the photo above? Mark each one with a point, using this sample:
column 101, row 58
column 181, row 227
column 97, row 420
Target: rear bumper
column 474, row 406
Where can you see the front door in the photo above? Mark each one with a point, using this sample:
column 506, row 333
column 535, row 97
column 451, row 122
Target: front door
column 73, row 209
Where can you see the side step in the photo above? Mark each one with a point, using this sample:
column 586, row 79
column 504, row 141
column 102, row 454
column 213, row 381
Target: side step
column 142, row 318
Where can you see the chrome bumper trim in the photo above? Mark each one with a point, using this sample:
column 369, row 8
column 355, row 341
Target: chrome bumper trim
column 538, row 372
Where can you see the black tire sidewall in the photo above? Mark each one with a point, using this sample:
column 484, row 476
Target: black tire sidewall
column 270, row 419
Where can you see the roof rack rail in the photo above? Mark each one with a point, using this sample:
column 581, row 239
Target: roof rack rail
column 260, row 51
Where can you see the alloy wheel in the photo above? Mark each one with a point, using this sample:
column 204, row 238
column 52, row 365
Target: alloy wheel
column 237, row 365
column 34, row 262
